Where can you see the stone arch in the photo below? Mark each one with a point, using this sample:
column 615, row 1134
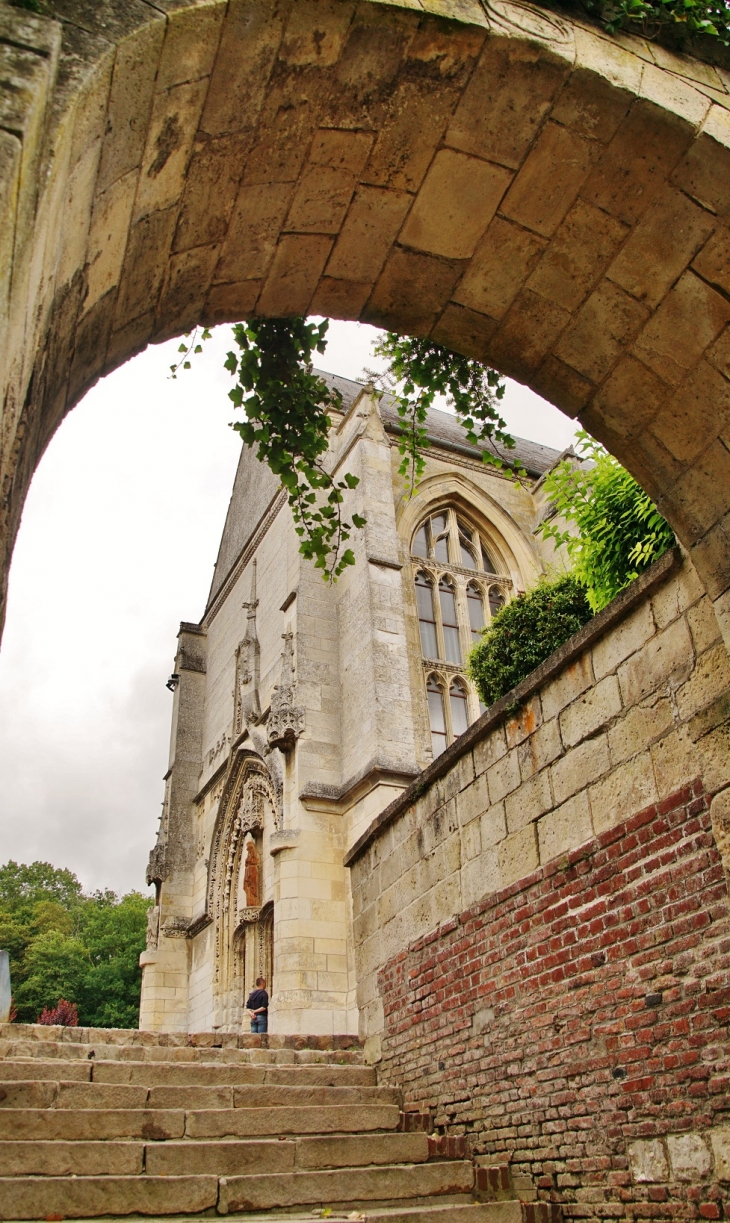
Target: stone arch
column 510, row 181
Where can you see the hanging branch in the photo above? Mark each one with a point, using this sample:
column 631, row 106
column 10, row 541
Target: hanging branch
column 286, row 407
column 419, row 370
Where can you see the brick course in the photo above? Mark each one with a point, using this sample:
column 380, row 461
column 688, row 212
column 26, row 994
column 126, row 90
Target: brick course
column 565, row 1021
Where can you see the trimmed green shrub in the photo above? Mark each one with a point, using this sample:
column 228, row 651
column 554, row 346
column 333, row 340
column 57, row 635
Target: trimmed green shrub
column 524, row 633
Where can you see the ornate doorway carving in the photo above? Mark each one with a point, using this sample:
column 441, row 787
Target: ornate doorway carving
column 243, row 924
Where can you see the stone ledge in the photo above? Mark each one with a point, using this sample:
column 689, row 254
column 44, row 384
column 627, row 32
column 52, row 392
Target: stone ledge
column 378, row 769
column 567, row 653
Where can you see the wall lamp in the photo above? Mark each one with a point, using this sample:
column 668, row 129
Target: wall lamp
column 173, row 681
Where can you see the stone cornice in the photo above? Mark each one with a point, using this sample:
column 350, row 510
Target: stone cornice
column 504, row 707
column 375, row 771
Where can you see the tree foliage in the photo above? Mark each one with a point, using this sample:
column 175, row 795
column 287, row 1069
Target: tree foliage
column 614, row 531
column 655, row 18
column 66, row 945
column 287, row 421
column 526, row 632
column 418, row 370
column 24, row 886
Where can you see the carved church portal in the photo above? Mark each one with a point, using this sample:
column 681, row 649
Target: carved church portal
column 243, row 922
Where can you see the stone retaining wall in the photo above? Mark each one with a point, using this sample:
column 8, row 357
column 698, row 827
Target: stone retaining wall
column 542, row 937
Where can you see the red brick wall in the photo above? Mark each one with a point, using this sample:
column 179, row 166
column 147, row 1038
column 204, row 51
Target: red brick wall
column 579, row 1010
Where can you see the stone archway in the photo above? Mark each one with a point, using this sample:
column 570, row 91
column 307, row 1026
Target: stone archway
column 511, row 182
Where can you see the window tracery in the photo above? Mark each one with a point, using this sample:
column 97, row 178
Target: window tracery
column 459, row 588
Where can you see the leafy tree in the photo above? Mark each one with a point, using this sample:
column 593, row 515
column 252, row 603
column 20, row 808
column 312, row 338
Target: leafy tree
column 286, row 406
column 614, row 530
column 54, row 966
column 63, row 944
column 526, row 632
column 114, row 933
column 23, row 886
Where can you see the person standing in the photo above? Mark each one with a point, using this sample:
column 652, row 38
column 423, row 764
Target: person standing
column 258, row 1007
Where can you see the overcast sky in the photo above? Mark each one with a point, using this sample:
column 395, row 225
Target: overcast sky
column 117, row 545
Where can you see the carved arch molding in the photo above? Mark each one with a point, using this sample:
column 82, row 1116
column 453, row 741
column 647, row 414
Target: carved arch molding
column 515, row 185
column 243, row 934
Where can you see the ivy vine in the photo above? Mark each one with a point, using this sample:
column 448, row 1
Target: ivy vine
column 418, row 370
column 678, row 19
column 286, row 406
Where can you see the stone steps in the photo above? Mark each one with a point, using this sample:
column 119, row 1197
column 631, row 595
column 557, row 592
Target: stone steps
column 231, row 1157
column 31, row 1197
column 49, row 1093
column 258, row 1055
column 121, row 1044
column 160, row 1125
column 450, row 1211
column 196, row 1074
column 104, row 1124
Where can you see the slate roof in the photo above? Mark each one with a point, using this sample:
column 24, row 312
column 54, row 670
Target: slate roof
column 444, row 428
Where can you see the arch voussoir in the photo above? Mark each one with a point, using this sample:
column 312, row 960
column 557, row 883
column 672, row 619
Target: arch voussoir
column 512, row 182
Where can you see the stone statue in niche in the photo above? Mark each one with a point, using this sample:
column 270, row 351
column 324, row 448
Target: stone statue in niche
column 252, row 877
column 153, row 927
column 248, row 665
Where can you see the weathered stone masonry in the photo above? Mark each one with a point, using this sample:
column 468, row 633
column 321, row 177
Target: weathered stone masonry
column 541, row 922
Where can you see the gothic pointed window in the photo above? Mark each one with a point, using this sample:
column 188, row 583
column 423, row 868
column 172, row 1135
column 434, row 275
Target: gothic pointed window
column 420, row 542
column 459, row 585
column 449, row 621
column 458, row 704
column 436, row 715
column 496, row 600
column 487, row 562
column 440, row 534
column 467, row 551
column 426, row 617
column 475, row 604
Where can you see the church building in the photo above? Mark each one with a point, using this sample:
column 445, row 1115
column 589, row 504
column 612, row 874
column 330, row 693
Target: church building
column 301, row 709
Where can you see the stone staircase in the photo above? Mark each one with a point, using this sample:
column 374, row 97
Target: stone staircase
column 108, row 1123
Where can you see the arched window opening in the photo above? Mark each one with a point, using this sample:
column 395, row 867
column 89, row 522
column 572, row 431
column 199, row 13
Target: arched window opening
column 440, row 533
column 459, row 587
column 426, row 617
column 476, row 610
column 458, row 703
column 436, row 715
column 449, row 621
column 496, row 600
column 451, row 540
column 420, row 542
column 467, row 552
column 487, row 563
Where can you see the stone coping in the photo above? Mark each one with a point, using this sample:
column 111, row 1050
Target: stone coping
column 504, row 707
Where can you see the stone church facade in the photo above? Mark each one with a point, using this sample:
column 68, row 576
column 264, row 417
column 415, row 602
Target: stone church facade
column 302, row 709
